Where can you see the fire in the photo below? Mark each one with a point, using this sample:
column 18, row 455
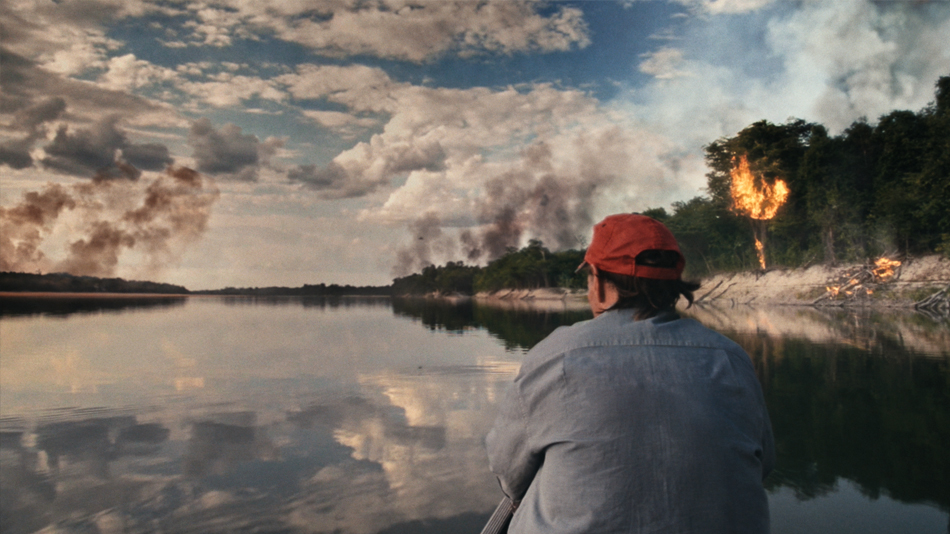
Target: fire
column 759, row 203
column 863, row 280
column 884, row 268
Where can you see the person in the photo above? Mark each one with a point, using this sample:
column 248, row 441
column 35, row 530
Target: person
column 637, row 420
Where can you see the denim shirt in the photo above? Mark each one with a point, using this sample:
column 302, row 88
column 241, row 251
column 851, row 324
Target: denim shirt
column 615, row 425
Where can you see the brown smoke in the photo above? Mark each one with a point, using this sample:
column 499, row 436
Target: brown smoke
column 427, row 239
column 158, row 220
column 537, row 201
column 22, row 227
column 532, row 200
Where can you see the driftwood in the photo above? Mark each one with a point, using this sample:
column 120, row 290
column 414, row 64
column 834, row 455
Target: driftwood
column 860, row 282
column 706, row 294
column 938, row 302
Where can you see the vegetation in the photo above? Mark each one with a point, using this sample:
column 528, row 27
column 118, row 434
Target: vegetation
column 67, row 283
column 531, row 267
column 868, row 191
column 307, row 290
column 872, row 190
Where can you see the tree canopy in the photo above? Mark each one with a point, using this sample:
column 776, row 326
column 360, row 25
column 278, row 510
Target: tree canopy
column 873, row 189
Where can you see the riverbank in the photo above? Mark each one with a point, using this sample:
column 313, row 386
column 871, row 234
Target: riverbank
column 914, row 280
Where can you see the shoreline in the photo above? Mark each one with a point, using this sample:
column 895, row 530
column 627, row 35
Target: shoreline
column 915, row 280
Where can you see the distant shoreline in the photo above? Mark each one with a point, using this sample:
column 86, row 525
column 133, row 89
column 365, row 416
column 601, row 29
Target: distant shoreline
column 64, row 294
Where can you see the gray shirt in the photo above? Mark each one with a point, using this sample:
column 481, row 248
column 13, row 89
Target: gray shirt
column 623, row 426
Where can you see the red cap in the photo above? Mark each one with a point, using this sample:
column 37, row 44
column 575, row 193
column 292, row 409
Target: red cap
column 618, row 240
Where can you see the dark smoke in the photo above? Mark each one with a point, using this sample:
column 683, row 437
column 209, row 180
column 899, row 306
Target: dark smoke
column 530, row 201
column 534, row 202
column 22, row 227
column 427, row 239
column 157, row 220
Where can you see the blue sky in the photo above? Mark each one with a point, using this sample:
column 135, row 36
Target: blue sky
column 254, row 143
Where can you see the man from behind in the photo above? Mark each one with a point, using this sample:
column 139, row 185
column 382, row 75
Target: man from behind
column 638, row 420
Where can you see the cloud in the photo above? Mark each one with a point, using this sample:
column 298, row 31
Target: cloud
column 484, row 168
column 663, row 63
column 102, row 150
column 831, row 63
column 347, row 125
column 229, row 90
column 720, row 7
column 128, row 73
column 26, row 84
column 401, row 30
column 229, row 153
column 359, row 87
column 16, row 153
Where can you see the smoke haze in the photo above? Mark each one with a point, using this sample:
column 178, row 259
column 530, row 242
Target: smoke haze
column 157, row 220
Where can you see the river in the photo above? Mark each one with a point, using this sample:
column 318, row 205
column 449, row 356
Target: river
column 363, row 415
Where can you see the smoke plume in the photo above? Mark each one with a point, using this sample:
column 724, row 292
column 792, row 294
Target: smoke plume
column 427, row 239
column 157, row 220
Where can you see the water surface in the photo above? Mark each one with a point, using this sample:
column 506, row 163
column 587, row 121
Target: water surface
column 368, row 415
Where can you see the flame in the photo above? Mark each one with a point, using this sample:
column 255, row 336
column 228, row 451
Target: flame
column 752, row 201
column 884, row 268
column 760, row 252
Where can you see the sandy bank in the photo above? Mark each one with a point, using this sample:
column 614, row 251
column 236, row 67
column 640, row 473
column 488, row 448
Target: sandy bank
column 915, row 279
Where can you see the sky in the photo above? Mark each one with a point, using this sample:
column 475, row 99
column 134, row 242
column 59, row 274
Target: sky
column 253, row 143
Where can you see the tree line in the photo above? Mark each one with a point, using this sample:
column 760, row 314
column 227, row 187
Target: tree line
column 530, row 267
column 869, row 191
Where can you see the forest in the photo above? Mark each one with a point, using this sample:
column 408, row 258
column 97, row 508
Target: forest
column 872, row 190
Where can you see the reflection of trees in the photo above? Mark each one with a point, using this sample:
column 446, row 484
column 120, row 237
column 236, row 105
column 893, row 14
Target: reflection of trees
column 517, row 328
column 331, row 301
column 882, row 421
column 13, row 306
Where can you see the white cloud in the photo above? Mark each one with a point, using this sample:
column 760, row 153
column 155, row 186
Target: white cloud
column 129, row 73
column 415, row 31
column 663, row 63
column 227, row 90
column 357, row 86
column 724, row 7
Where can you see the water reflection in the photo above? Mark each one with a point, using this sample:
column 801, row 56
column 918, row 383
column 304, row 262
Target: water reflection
column 14, row 306
column 330, row 302
column 518, row 324
column 361, row 418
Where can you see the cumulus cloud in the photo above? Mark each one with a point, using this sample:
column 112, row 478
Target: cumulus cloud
column 663, row 63
column 102, row 150
column 228, row 90
column 26, row 84
column 484, row 168
column 129, row 73
column 413, row 31
column 16, row 153
column 229, row 153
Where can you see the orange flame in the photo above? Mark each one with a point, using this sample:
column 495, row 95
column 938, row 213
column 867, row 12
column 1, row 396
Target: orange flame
column 757, row 203
column 884, row 268
column 760, row 252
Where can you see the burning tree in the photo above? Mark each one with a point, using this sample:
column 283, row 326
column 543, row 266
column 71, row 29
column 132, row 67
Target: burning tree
column 757, row 200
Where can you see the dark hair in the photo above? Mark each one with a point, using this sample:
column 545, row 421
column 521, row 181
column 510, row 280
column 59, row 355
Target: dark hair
column 647, row 295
